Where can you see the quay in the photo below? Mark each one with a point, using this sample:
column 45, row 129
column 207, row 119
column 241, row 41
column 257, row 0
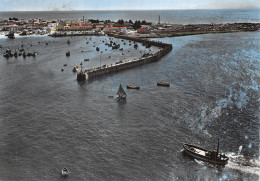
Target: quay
column 165, row 49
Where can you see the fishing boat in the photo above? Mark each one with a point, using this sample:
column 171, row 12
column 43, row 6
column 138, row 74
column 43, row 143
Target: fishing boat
column 64, row 172
column 213, row 157
column 133, row 87
column 121, row 93
column 165, row 84
column 67, row 53
column 81, row 76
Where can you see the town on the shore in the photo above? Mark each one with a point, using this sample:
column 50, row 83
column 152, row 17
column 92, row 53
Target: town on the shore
column 140, row 29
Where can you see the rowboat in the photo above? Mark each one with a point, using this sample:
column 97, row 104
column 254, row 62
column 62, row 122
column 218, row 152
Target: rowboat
column 165, row 84
column 133, row 87
column 64, row 172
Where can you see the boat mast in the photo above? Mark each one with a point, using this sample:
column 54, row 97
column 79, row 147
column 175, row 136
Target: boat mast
column 218, row 146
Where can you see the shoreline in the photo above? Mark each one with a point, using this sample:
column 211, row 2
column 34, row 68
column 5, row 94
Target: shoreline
column 175, row 34
column 200, row 33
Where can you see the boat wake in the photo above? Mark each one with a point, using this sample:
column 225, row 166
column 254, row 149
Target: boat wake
column 239, row 162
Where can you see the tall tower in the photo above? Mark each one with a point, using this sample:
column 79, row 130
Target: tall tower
column 159, row 20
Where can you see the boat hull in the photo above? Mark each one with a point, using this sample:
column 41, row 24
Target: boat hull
column 132, row 87
column 165, row 84
column 189, row 150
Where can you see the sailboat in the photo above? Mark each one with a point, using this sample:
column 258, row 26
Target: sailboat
column 121, row 93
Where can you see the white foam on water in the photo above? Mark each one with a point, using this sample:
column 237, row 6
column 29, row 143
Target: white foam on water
column 240, row 149
column 238, row 162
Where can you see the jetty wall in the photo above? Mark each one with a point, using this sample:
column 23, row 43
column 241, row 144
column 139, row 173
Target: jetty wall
column 165, row 48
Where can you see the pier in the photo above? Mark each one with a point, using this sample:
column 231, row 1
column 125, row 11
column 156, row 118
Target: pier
column 126, row 64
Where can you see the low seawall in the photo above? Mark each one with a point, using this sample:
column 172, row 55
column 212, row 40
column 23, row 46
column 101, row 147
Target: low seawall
column 166, row 48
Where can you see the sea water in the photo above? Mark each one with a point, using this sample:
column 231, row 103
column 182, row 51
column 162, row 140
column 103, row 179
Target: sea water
column 49, row 121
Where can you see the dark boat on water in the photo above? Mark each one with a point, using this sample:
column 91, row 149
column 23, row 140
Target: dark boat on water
column 165, row 84
column 133, row 87
column 67, row 53
column 68, row 41
column 10, row 35
column 81, row 76
column 213, row 157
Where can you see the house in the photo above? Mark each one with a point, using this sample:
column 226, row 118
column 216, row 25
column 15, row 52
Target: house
column 143, row 31
column 113, row 29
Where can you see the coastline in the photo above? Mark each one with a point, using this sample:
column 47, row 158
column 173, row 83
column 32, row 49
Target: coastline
column 199, row 33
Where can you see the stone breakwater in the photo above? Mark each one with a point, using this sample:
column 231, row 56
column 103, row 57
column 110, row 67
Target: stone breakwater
column 165, row 48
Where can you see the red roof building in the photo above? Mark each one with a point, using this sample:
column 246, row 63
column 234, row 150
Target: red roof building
column 143, row 31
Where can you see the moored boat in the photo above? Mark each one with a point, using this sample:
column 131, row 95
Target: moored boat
column 81, row 76
column 75, row 68
column 213, row 157
column 67, row 53
column 10, row 35
column 165, row 84
column 133, row 87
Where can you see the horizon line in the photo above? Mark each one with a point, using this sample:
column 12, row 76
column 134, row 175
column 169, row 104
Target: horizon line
column 129, row 9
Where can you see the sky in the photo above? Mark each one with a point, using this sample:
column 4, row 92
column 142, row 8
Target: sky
column 59, row 5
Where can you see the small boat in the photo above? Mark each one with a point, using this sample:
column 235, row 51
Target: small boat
column 6, row 55
column 133, row 87
column 165, row 84
column 67, row 53
column 24, row 54
column 121, row 93
column 65, row 65
column 75, row 69
column 86, row 59
column 148, row 46
column 15, row 54
column 135, row 46
column 213, row 157
column 68, row 41
column 64, row 172
column 81, row 76
column 97, row 49
column 10, row 35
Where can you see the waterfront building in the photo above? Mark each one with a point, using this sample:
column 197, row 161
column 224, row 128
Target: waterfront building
column 143, row 31
column 115, row 29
